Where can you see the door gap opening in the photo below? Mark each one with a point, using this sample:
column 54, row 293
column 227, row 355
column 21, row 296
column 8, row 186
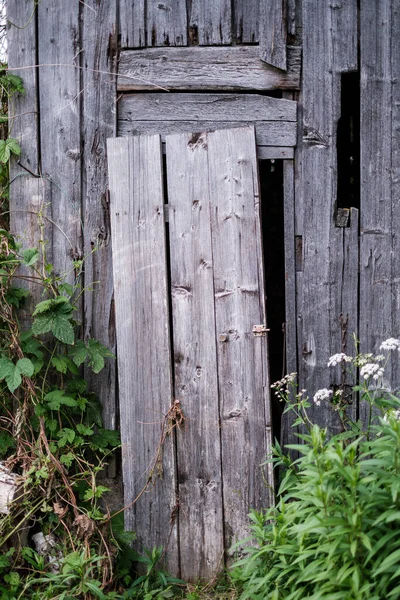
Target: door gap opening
column 272, row 226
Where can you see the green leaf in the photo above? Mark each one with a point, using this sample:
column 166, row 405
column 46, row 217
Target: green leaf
column 12, row 372
column 83, row 430
column 57, row 398
column 62, row 329
column 31, row 256
column 7, row 443
column 53, row 304
column 66, row 436
column 8, row 147
column 93, row 352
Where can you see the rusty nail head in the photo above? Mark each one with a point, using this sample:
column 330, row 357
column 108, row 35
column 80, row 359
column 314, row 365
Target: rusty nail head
column 223, row 337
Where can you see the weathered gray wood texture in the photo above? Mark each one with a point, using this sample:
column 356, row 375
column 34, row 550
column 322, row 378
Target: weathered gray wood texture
column 205, row 68
column 206, row 23
column 217, row 296
column 99, row 37
column 29, row 194
column 273, row 33
column 275, row 119
column 326, row 280
column 142, row 323
column 380, row 214
column 59, row 123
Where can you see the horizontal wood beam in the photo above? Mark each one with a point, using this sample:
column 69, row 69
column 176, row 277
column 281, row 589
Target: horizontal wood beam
column 205, row 68
column 268, row 133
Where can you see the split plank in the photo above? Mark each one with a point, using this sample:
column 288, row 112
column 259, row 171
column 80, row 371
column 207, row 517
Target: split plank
column 142, row 323
column 60, row 102
column 205, row 68
column 195, row 358
column 132, row 23
column 269, row 133
column 273, row 33
column 243, row 377
column 377, row 216
column 98, row 124
column 210, row 22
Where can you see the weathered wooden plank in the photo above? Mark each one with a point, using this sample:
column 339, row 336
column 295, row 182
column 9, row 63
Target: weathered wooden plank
column 28, row 195
column 245, row 21
column 395, row 171
column 153, row 23
column 268, row 133
column 195, row 356
column 59, row 98
column 205, row 68
column 205, row 107
column 132, row 23
column 98, row 124
column 290, row 266
column 376, row 212
column 210, row 22
column 142, row 324
column 243, row 376
column 345, row 34
column 273, row 33
column 166, row 23
column 271, row 152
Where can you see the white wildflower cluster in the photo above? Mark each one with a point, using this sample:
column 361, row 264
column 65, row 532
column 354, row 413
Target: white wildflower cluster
column 390, row 344
column 282, row 386
column 373, row 370
column 394, row 413
column 321, row 395
column 338, row 358
column 363, row 359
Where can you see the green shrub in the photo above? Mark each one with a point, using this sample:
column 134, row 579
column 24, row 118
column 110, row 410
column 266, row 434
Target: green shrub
column 334, row 533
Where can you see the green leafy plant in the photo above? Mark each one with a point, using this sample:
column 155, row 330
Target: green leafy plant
column 333, row 532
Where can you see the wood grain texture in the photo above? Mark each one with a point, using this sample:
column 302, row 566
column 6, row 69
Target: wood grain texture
column 379, row 217
column 268, row 133
column 60, row 102
column 345, row 34
column 210, row 22
column 142, row 322
column 99, row 123
column 273, row 33
column 320, row 286
column 395, row 171
column 246, row 21
column 243, row 372
column 205, row 68
column 152, row 23
column 205, row 107
column 132, row 23
column 195, row 357
column 28, row 195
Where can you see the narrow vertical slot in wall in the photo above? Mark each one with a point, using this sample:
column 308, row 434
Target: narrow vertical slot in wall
column 348, row 143
column 272, row 223
column 171, row 336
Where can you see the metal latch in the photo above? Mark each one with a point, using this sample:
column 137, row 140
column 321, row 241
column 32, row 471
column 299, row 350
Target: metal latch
column 260, row 330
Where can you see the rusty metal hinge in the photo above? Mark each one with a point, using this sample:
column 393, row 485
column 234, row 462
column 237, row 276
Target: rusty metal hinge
column 260, row 330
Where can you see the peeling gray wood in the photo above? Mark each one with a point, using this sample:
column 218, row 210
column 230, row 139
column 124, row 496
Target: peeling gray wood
column 273, row 33
column 379, row 214
column 195, row 357
column 245, row 21
column 210, row 22
column 99, row 36
column 205, row 107
column 142, row 323
column 268, row 133
column 205, row 68
column 270, row 152
column 243, row 377
column 60, row 104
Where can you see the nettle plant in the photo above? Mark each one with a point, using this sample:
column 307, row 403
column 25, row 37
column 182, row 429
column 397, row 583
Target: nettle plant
column 52, row 441
column 333, row 533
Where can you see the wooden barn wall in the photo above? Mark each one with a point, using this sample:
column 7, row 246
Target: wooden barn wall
column 342, row 277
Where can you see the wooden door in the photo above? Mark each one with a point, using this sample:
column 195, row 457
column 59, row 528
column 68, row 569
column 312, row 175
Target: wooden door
column 193, row 376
